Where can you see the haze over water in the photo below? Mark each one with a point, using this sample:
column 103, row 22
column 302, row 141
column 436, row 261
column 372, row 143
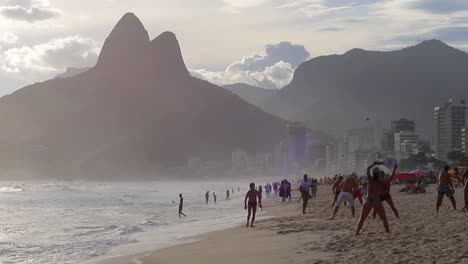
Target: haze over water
column 69, row 222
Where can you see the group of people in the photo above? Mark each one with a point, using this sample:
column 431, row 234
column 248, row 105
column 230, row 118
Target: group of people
column 371, row 192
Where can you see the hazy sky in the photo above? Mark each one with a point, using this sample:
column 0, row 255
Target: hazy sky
column 256, row 41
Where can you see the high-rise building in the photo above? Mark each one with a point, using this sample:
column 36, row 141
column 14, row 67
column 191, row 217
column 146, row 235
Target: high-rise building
column 464, row 140
column 403, row 125
column 448, row 122
column 297, row 146
column 405, row 140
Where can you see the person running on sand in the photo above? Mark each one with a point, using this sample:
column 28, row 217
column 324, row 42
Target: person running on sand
column 373, row 200
column 347, row 187
column 385, row 196
column 304, row 189
column 445, row 188
column 336, row 189
column 252, row 196
column 207, row 196
column 181, row 206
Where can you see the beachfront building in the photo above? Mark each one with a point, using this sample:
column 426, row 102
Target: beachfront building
column 448, row 121
column 464, row 140
column 297, row 146
column 403, row 125
column 404, row 141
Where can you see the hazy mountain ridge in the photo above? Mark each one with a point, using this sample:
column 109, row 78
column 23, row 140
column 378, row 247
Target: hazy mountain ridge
column 341, row 91
column 136, row 112
column 255, row 95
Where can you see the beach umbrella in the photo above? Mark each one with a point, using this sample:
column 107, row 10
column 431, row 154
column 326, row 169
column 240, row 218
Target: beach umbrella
column 419, row 172
column 460, row 169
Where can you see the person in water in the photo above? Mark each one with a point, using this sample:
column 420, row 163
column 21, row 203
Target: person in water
column 373, row 199
column 386, row 192
column 181, row 206
column 347, row 187
column 445, row 188
column 207, row 196
column 251, row 206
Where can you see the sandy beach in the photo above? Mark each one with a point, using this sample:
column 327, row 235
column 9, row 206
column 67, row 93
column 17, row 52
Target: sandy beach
column 419, row 236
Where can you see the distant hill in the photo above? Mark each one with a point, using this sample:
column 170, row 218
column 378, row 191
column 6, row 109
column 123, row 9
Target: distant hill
column 255, row 95
column 342, row 91
column 72, row 72
column 133, row 115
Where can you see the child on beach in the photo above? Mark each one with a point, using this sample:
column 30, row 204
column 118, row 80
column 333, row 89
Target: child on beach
column 252, row 195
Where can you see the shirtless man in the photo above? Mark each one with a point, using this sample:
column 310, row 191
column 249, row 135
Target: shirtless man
column 336, row 189
column 445, row 188
column 347, row 187
column 465, row 176
column 373, row 200
column 252, row 195
column 386, row 192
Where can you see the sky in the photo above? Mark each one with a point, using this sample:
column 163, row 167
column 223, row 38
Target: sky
column 259, row 42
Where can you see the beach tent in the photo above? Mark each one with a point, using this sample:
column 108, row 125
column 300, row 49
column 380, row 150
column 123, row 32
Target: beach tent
column 406, row 176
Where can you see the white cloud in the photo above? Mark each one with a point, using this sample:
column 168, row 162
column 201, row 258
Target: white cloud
column 271, row 68
column 51, row 57
column 29, row 11
column 8, row 38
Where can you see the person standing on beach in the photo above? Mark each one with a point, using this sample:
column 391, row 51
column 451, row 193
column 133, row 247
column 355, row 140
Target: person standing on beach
column 181, row 206
column 386, row 192
column 313, row 187
column 207, row 196
column 465, row 196
column 445, row 188
column 252, row 196
column 214, row 197
column 336, row 189
column 304, row 189
column 373, row 199
column 347, row 187
column 227, row 195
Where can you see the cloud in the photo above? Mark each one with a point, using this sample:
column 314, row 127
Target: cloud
column 8, row 38
column 440, row 7
column 51, row 57
column 29, row 11
column 271, row 68
column 330, row 29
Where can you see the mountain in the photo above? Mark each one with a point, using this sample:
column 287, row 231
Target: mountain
column 136, row 113
column 342, row 91
column 255, row 95
column 72, row 72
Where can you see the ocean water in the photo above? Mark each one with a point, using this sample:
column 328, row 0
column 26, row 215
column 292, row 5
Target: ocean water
column 71, row 222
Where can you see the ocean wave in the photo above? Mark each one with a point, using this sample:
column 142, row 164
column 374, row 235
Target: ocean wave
column 130, row 229
column 11, row 189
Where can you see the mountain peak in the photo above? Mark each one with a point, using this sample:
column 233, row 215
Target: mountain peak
column 126, row 41
column 167, row 56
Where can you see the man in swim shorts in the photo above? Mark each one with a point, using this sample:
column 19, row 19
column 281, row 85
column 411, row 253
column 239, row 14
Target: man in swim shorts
column 252, row 196
column 347, row 187
column 445, row 188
